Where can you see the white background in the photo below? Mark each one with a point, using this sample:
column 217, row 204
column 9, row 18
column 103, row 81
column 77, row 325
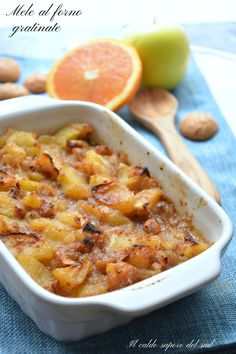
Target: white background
column 112, row 12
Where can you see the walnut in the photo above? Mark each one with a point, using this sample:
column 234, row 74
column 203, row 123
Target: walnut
column 152, row 226
column 36, row 82
column 9, row 70
column 11, row 90
column 198, row 126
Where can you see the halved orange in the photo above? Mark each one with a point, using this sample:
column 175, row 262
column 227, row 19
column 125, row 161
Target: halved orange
column 104, row 71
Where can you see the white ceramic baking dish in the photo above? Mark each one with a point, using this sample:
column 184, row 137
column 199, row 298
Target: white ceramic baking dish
column 73, row 319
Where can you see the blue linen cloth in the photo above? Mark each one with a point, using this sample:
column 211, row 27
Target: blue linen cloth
column 209, row 315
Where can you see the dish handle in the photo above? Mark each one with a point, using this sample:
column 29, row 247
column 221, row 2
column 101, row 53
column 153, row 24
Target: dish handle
column 171, row 286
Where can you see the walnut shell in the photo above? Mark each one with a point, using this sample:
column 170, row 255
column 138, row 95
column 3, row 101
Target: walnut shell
column 11, row 90
column 9, row 70
column 36, row 82
column 198, row 126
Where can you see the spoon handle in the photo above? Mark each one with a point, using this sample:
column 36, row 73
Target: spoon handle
column 182, row 157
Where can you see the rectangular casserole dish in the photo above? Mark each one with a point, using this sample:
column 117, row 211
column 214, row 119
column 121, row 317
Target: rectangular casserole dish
column 76, row 318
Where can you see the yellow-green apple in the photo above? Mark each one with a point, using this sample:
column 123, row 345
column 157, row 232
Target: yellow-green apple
column 164, row 51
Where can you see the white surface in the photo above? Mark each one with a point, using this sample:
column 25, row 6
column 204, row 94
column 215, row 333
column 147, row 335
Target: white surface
column 219, row 69
column 71, row 319
column 112, row 12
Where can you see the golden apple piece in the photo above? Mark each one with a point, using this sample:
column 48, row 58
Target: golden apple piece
column 73, row 183
column 53, row 230
column 7, row 205
column 121, row 275
column 71, row 277
column 145, row 200
column 5, row 135
column 7, row 181
column 22, row 138
column 32, row 201
column 36, row 270
column 141, row 256
column 115, row 196
column 45, row 165
column 28, row 185
column 93, row 285
column 72, row 132
column 96, row 164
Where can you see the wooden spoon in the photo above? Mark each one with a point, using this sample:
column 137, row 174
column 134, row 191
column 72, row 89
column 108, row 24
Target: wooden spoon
column 156, row 109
